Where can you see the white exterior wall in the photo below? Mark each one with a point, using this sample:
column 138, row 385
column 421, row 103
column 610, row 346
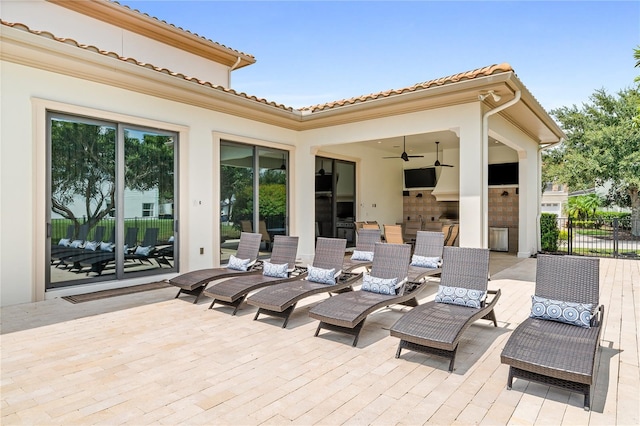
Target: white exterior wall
column 23, row 165
column 41, row 15
column 529, row 181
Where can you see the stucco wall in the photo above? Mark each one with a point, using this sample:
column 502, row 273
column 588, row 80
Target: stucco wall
column 40, row 15
column 23, row 155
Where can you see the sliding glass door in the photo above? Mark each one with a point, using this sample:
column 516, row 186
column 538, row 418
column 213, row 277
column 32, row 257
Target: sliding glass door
column 253, row 194
column 112, row 195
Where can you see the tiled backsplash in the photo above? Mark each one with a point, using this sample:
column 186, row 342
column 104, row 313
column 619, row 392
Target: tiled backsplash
column 503, row 207
column 503, row 210
column 426, row 206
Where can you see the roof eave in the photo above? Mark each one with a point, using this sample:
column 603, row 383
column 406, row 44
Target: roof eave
column 145, row 25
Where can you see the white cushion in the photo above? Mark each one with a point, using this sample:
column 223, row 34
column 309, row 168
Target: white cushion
column 91, row 245
column 275, row 270
column 425, row 261
column 143, row 251
column 64, row 242
column 557, row 310
column 238, row 264
column 362, row 255
column 320, row 275
column 460, row 296
column 106, row 246
column 76, row 243
column 379, row 285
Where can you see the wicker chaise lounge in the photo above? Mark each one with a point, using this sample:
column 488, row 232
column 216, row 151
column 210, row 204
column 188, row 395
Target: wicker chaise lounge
column 367, row 239
column 280, row 300
column 346, row 313
column 428, row 245
column 233, row 291
column 554, row 353
column 194, row 282
column 437, row 326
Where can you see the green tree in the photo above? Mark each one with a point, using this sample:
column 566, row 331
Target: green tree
column 602, row 146
column 583, row 206
column 83, row 159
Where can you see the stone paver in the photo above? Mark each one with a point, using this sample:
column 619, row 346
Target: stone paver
column 148, row 358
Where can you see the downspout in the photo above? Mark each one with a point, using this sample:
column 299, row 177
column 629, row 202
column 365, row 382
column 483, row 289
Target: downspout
column 485, row 165
column 540, row 149
column 233, row 67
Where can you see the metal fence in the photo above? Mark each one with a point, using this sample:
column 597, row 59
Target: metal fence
column 59, row 228
column 599, row 237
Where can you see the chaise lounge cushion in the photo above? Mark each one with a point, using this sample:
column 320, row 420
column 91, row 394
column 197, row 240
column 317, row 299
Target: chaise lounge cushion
column 320, row 275
column 379, row 285
column 362, row 255
column 91, row 245
column 64, row 242
column 143, row 251
column 275, row 270
column 556, row 310
column 238, row 264
column 425, row 261
column 460, row 296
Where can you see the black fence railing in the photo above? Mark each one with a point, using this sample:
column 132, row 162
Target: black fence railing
column 600, row 237
column 59, row 228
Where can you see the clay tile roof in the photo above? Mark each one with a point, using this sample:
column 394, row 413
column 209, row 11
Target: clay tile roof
column 182, row 29
column 468, row 75
column 114, row 55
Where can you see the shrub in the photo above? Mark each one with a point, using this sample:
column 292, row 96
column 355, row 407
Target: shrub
column 563, row 238
column 549, row 232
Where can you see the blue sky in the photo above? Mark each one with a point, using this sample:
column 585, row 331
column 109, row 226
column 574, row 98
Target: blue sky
column 311, row 52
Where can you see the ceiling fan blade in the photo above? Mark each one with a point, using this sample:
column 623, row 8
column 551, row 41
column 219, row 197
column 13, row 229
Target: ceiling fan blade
column 416, row 156
column 390, row 157
column 446, row 165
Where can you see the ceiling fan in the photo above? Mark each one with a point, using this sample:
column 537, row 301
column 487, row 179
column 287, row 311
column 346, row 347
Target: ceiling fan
column 438, row 163
column 283, row 166
column 404, row 154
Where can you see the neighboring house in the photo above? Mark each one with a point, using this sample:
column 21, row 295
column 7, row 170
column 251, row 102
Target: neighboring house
column 554, row 199
column 104, row 66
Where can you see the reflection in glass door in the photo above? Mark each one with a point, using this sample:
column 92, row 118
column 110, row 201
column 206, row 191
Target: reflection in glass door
column 335, row 199
column 253, row 194
column 112, row 192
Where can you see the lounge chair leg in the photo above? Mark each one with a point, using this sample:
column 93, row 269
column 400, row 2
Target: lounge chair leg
column 179, row 291
column 318, row 329
column 212, row 303
column 357, row 330
column 287, row 312
column 510, row 379
column 257, row 314
column 399, row 349
column 453, row 359
column 199, row 293
column 237, row 304
column 587, row 400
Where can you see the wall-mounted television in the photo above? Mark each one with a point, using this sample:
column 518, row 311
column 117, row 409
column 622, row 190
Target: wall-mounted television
column 420, row 178
column 503, row 174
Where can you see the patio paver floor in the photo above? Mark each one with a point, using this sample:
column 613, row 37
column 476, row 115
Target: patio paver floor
column 147, row 358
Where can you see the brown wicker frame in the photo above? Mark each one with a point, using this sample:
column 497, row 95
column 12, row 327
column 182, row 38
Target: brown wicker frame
column 346, row 313
column 366, row 241
column 233, row 292
column 554, row 353
column 428, row 244
column 436, row 328
column 280, row 300
column 194, row 282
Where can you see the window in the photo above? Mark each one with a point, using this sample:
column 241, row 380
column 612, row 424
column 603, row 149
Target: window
column 100, row 174
column 147, row 209
column 253, row 194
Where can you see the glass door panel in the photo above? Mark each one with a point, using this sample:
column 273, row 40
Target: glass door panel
column 324, row 199
column 148, row 200
column 82, row 176
column 236, row 195
column 272, row 195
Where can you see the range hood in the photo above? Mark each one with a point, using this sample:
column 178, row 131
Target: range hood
column 448, row 185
